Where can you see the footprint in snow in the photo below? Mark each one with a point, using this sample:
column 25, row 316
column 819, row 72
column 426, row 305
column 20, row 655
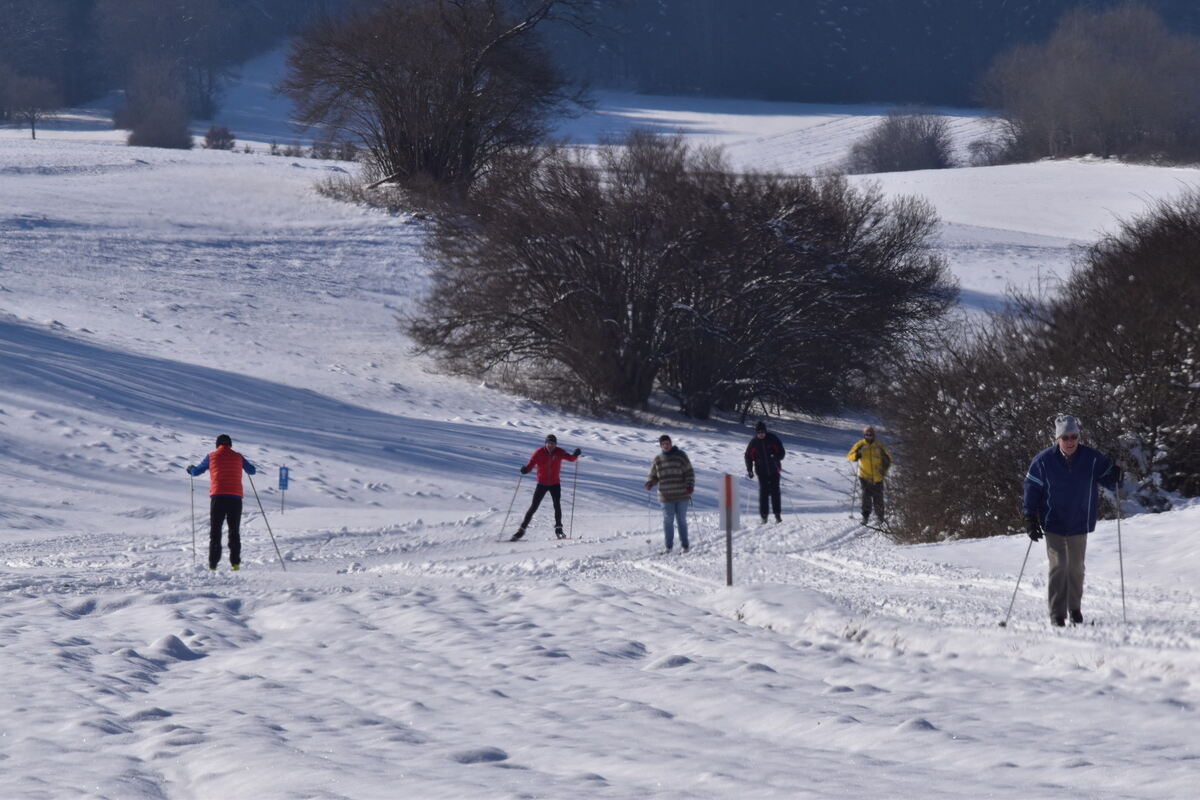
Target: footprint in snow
column 479, row 755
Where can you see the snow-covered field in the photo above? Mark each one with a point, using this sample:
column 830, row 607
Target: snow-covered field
column 152, row 299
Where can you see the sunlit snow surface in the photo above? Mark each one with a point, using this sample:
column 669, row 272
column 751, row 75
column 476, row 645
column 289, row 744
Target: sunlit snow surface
column 152, row 299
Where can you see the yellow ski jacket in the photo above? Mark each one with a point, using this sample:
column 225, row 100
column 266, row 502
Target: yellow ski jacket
column 873, row 460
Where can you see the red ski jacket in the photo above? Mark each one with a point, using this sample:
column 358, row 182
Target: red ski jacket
column 225, row 467
column 548, row 464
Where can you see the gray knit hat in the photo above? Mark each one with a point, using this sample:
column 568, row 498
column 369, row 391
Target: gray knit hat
column 1065, row 423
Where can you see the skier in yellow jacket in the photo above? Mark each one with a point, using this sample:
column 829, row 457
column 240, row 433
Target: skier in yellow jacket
column 874, row 461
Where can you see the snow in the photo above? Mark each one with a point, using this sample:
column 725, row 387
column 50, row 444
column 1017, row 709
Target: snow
column 152, row 299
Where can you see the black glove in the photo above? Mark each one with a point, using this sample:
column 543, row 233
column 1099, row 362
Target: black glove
column 524, row 470
column 191, row 469
column 1033, row 527
column 577, row 452
column 749, row 473
column 1118, row 474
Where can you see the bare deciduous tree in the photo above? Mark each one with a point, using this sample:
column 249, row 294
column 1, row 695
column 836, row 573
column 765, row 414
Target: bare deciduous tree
column 434, row 89
column 1113, row 82
column 31, row 100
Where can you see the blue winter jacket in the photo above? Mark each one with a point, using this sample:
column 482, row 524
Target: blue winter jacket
column 1065, row 494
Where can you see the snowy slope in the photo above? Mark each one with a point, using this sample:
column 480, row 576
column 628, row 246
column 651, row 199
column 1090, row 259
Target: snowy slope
column 150, row 300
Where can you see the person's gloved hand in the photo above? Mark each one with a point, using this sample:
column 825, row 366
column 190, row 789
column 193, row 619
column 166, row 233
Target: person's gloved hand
column 690, row 489
column 858, row 452
column 749, row 474
column 524, row 470
column 191, row 469
column 649, row 486
column 1033, row 527
column 577, row 452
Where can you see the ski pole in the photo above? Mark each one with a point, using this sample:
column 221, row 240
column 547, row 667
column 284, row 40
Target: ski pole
column 649, row 516
column 268, row 523
column 574, row 482
column 510, row 505
column 1121, row 556
column 1004, row 624
column 854, row 496
column 192, row 481
column 746, row 500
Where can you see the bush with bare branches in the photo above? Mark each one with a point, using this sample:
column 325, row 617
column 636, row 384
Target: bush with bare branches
column 1118, row 346
column 903, row 140
column 218, row 137
column 163, row 122
column 591, row 280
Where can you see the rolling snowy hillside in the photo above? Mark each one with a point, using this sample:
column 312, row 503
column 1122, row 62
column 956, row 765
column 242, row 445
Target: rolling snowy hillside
column 152, row 299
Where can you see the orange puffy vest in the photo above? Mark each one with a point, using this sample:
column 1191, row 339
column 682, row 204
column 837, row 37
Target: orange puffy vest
column 225, row 472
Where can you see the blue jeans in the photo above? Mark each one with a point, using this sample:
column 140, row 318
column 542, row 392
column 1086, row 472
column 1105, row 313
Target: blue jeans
column 671, row 512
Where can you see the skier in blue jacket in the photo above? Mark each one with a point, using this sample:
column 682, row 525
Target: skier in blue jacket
column 1061, row 497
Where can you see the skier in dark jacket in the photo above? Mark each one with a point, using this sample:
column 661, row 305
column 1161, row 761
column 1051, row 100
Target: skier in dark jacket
column 1061, row 498
column 763, row 456
column 548, row 461
column 225, row 467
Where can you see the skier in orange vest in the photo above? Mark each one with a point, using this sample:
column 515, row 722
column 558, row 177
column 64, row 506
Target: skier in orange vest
column 225, row 467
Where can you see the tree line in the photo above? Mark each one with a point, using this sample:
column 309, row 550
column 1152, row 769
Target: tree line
column 930, row 52
column 73, row 51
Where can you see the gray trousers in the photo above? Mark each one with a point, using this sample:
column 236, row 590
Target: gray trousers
column 1065, row 586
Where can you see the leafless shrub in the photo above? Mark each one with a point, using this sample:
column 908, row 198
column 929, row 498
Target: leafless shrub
column 656, row 263
column 1119, row 346
column 903, row 140
column 162, row 123
column 987, row 152
column 218, row 137
column 351, row 189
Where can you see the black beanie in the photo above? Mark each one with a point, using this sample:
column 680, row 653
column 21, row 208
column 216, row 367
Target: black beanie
column 761, row 426
column 224, row 439
column 550, row 437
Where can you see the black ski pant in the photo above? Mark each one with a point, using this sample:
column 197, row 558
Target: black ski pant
column 538, row 493
column 223, row 508
column 768, row 493
column 872, row 494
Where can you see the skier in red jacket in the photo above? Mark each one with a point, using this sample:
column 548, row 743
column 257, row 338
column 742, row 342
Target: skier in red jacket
column 548, row 461
column 225, row 467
